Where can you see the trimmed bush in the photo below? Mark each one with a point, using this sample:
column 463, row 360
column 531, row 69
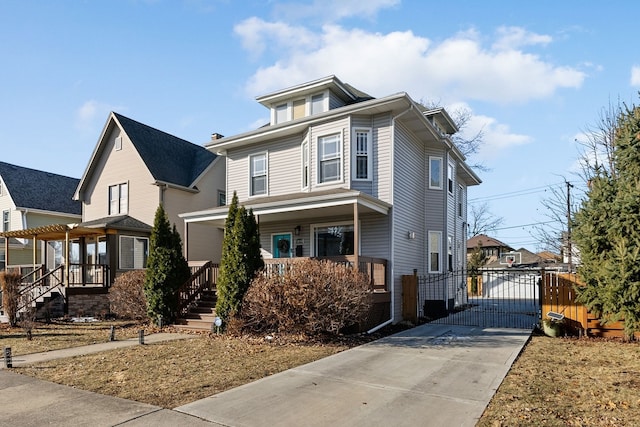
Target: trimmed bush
column 311, row 297
column 10, row 282
column 126, row 296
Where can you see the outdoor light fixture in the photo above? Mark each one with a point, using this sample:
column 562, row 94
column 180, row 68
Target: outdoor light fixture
column 411, row 235
column 297, row 230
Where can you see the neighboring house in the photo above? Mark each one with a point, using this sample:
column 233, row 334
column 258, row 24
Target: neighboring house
column 337, row 173
column 491, row 248
column 133, row 169
column 521, row 258
column 31, row 198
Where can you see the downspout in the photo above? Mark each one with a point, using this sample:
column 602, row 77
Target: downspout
column 393, row 223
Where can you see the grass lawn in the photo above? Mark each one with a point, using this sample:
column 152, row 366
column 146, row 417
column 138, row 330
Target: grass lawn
column 570, row 382
column 59, row 334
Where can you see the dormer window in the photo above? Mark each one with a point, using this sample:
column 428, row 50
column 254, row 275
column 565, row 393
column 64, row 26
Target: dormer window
column 282, row 113
column 318, row 104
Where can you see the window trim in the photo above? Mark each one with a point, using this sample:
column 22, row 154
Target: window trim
column 287, row 111
column 438, row 236
column 266, row 174
column 312, row 234
column 6, row 220
column 306, row 175
column 339, row 157
column 122, row 208
column 145, row 256
column 368, row 154
column 439, row 160
column 450, row 177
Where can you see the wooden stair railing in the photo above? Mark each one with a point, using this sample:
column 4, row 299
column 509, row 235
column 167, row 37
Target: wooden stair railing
column 204, row 278
column 42, row 286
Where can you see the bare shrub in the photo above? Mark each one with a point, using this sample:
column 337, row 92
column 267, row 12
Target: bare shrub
column 10, row 282
column 126, row 296
column 310, row 297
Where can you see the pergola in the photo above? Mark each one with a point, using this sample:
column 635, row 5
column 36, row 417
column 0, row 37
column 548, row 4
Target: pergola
column 52, row 232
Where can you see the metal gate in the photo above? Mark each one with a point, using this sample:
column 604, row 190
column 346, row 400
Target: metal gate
column 489, row 298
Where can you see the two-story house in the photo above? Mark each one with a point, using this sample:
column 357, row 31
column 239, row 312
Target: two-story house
column 338, row 173
column 32, row 198
column 133, row 169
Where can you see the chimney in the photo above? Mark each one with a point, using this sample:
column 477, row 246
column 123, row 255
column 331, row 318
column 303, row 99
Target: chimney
column 216, row 135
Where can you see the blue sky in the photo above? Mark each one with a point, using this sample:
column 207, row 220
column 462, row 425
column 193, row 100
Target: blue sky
column 534, row 74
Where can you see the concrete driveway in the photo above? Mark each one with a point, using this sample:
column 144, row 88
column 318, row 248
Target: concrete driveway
column 431, row 375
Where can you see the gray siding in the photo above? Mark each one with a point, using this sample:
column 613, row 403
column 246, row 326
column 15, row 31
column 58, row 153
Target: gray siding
column 334, row 101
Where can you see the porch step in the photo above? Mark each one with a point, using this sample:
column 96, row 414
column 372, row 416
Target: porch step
column 200, row 316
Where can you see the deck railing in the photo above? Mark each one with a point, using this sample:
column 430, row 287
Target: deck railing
column 374, row 268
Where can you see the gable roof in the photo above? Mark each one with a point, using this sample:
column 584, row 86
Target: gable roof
column 485, row 242
column 169, row 159
column 35, row 189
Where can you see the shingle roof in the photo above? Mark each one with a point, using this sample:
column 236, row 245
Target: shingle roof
column 35, row 189
column 169, row 158
column 485, row 242
column 120, row 222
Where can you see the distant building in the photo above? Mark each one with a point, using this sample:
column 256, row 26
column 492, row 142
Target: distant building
column 491, row 248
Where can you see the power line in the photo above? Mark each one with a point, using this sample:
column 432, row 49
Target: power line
column 523, row 192
column 524, row 225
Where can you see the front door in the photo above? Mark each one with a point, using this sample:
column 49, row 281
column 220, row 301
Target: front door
column 281, row 245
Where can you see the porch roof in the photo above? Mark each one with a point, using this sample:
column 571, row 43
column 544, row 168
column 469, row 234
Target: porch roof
column 91, row 228
column 297, row 206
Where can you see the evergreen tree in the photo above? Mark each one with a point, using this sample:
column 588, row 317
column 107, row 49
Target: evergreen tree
column 241, row 259
column 607, row 232
column 167, row 269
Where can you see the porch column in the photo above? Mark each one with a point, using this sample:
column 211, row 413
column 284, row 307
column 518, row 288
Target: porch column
column 67, row 258
column 186, row 241
column 356, row 237
column 35, row 252
column 6, row 253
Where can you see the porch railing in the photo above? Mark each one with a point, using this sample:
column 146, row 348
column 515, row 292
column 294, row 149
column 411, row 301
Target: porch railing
column 203, row 278
column 39, row 288
column 89, row 275
column 374, row 268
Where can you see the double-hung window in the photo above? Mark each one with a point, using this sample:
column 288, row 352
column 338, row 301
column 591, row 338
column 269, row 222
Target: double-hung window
column 317, row 103
column 282, row 113
column 6, row 221
column 435, row 173
column 330, row 158
column 362, row 154
column 258, row 166
column 118, row 199
column 435, row 249
column 450, row 178
column 305, row 164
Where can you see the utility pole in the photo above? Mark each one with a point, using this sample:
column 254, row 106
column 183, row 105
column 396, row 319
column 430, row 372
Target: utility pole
column 569, row 248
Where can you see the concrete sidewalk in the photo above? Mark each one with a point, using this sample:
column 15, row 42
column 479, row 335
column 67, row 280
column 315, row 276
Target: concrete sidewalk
column 431, row 375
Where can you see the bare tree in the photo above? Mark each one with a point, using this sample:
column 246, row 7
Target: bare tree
column 596, row 155
column 461, row 117
column 482, row 220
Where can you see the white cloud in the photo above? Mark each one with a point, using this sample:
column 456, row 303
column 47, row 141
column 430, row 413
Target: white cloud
column 91, row 115
column 459, row 67
column 635, row 75
column 497, row 137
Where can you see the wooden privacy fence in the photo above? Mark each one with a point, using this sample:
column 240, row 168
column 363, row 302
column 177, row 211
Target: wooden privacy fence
column 559, row 295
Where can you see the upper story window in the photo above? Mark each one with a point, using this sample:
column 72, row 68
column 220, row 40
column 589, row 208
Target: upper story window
column 460, row 197
column 305, row 164
column 282, row 113
column 299, row 108
column 318, row 104
column 222, row 198
column 450, row 178
column 362, row 155
column 435, row 173
column 330, row 158
column 258, row 172
column 118, row 143
column 6, row 220
column 118, row 199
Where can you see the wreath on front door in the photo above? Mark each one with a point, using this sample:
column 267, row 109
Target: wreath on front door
column 283, row 245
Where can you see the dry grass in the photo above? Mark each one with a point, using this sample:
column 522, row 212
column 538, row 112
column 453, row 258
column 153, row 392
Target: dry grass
column 570, row 382
column 175, row 373
column 57, row 335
